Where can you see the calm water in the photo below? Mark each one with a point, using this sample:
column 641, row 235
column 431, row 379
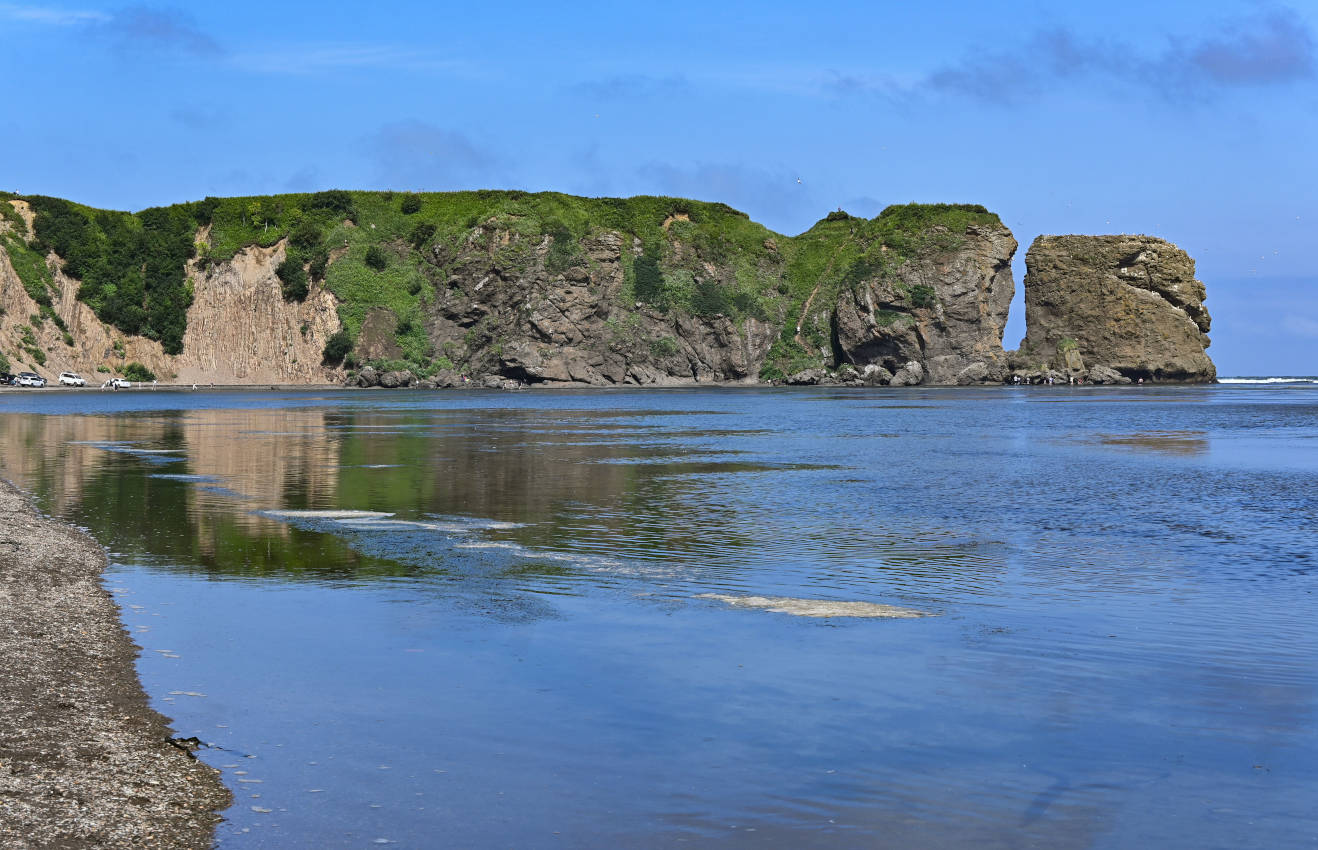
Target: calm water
column 519, row 620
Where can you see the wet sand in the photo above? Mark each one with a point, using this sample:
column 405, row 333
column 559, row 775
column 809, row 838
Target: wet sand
column 84, row 760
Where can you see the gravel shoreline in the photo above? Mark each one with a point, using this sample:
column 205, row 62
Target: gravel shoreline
column 84, row 760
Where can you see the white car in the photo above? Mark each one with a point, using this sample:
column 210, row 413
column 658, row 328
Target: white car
column 29, row 379
column 71, row 379
column 117, row 384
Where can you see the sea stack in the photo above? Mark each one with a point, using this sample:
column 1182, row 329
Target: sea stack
column 1130, row 304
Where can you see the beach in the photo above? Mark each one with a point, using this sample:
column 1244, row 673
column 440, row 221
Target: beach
column 84, row 760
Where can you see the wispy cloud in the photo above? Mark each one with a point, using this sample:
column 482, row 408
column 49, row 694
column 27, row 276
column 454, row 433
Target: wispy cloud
column 133, row 27
column 321, row 58
column 422, row 156
column 144, row 26
column 49, row 16
column 307, row 179
column 198, row 117
column 1270, row 47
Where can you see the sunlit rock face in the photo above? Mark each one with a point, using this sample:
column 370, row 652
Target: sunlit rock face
column 1129, row 303
column 944, row 309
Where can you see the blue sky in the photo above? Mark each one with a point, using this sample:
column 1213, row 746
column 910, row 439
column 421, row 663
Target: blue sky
column 1196, row 122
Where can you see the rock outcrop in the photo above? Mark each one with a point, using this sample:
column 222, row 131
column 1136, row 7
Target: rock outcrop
column 1130, row 304
column 943, row 310
column 503, row 309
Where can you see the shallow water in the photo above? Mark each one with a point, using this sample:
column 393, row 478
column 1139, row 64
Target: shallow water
column 591, row 619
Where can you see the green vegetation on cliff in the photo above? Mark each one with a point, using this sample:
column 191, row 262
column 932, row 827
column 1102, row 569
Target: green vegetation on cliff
column 404, row 253
column 132, row 266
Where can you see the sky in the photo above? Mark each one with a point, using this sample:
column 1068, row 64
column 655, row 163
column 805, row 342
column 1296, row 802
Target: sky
column 1193, row 121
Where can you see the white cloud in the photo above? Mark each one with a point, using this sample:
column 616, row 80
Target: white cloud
column 51, row 16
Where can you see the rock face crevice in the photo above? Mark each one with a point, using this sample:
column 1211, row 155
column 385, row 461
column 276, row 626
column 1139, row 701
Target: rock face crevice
column 1130, row 304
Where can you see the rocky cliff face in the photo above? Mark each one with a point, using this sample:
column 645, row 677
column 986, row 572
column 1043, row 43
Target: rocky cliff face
column 1127, row 303
column 494, row 288
column 929, row 307
column 239, row 330
column 944, row 309
column 504, row 309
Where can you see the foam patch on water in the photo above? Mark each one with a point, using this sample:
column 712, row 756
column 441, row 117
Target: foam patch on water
column 491, row 544
column 470, row 523
column 179, row 476
column 325, row 514
column 816, row 607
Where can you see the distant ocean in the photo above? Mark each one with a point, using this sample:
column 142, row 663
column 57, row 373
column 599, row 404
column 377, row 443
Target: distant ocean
column 1285, row 379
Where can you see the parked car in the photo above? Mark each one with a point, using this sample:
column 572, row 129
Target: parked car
column 71, row 379
column 7, row 378
column 117, row 384
column 29, row 379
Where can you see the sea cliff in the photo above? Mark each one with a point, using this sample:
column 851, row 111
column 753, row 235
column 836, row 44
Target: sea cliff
column 503, row 288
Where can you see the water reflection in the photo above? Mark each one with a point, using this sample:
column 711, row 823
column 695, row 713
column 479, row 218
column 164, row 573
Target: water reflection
column 1166, row 442
column 597, row 618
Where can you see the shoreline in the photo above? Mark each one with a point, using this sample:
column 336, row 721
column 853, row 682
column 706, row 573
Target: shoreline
column 84, row 759
column 573, row 386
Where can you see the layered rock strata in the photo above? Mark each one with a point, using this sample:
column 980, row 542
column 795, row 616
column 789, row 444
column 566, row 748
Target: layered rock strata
column 1130, row 304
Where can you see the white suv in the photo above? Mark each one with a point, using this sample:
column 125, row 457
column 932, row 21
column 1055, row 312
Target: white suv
column 29, row 379
column 71, row 379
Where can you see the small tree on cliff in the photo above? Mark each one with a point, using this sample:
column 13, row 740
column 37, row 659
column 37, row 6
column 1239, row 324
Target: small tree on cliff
column 337, row 348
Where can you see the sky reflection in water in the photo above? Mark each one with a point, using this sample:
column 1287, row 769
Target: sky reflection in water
column 484, row 619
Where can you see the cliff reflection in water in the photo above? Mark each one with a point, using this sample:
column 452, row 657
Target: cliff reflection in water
column 195, row 489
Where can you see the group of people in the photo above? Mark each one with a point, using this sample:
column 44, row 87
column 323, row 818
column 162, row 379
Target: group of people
column 1049, row 380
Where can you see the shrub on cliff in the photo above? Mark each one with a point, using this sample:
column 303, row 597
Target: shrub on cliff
column 337, row 348
column 336, row 201
column 411, row 204
column 923, row 295
column 319, row 261
column 292, row 277
column 305, row 236
column 376, row 258
column 649, row 280
column 562, row 248
column 421, row 234
column 137, row 372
